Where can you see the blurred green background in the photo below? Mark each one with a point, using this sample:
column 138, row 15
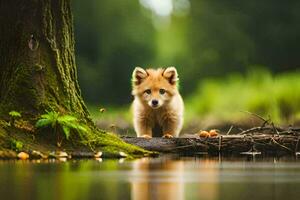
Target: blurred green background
column 231, row 56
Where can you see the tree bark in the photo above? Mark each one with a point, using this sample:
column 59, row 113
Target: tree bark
column 37, row 63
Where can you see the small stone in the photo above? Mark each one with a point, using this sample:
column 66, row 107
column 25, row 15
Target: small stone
column 62, row 154
column 23, row 155
column 37, row 154
column 122, row 154
column 98, row 154
column 7, row 154
column 59, row 154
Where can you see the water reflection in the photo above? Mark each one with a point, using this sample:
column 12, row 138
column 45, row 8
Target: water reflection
column 165, row 178
column 157, row 180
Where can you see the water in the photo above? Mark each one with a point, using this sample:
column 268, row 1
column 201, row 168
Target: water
column 164, row 178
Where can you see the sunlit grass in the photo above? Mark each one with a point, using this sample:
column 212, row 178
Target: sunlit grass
column 277, row 97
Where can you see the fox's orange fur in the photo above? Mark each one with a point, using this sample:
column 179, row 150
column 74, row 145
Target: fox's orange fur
column 157, row 102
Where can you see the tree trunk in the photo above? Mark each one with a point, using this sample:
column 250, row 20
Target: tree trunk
column 38, row 74
column 38, row 70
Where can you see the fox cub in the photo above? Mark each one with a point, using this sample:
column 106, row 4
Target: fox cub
column 157, row 107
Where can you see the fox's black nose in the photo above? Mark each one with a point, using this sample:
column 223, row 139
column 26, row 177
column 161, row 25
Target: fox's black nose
column 154, row 102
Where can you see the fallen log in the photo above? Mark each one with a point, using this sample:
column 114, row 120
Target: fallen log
column 224, row 144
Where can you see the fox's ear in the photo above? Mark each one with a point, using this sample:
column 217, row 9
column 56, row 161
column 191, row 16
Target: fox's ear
column 171, row 75
column 138, row 75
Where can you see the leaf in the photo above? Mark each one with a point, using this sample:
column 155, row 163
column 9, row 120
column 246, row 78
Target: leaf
column 67, row 118
column 14, row 114
column 50, row 115
column 43, row 123
column 52, row 118
column 66, row 131
column 82, row 128
column 69, row 124
column 65, row 122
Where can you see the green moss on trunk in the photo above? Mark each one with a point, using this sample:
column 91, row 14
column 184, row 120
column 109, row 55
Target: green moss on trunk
column 39, row 70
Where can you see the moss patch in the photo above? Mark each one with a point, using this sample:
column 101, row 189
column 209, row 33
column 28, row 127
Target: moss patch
column 20, row 139
column 112, row 144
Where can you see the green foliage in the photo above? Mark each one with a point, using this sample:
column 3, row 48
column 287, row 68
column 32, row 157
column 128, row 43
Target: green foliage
column 67, row 124
column 14, row 114
column 209, row 38
column 16, row 145
column 258, row 92
column 50, row 118
column 126, row 40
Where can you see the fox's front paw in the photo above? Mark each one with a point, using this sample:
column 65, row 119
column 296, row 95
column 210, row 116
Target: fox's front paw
column 167, row 136
column 146, row 136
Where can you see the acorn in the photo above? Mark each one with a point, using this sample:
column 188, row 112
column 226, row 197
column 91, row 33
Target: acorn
column 213, row 133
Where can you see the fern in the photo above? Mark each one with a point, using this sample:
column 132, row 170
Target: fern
column 13, row 116
column 68, row 124
column 43, row 123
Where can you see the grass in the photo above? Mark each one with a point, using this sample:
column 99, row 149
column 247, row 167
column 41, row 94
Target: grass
column 260, row 92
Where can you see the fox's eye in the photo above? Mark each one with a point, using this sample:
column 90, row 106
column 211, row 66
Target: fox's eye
column 148, row 91
column 162, row 91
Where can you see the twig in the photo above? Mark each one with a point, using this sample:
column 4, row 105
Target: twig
column 229, row 130
column 259, row 117
column 254, row 129
column 240, row 129
column 280, row 145
column 220, row 143
column 274, row 128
